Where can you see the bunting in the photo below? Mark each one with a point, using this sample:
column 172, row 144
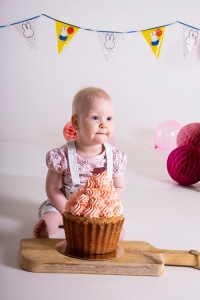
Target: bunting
column 64, row 33
column 154, row 38
column 28, row 32
column 109, row 39
column 190, row 39
column 109, row 42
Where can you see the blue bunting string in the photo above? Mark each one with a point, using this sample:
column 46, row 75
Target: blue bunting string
column 89, row 29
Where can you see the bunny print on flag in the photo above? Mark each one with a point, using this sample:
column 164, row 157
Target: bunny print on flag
column 191, row 39
column 63, row 34
column 154, row 39
column 27, row 30
column 109, row 43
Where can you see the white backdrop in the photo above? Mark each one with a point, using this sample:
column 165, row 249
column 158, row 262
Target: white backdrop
column 37, row 87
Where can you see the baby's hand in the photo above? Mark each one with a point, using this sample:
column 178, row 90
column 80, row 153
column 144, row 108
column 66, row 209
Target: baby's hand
column 28, row 32
column 109, row 43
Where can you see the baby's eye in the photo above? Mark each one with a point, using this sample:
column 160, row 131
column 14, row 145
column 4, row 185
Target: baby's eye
column 109, row 118
column 95, row 117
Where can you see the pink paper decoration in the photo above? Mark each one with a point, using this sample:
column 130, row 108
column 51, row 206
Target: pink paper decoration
column 183, row 165
column 70, row 134
column 166, row 134
column 189, row 135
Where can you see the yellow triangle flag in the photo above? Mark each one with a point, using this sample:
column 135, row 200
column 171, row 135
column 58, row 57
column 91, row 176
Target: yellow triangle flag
column 64, row 32
column 154, row 38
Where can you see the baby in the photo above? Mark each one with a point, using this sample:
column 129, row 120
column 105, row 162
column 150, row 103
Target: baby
column 72, row 164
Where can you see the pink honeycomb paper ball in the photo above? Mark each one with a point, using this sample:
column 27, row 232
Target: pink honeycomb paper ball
column 69, row 132
column 183, row 165
column 189, row 135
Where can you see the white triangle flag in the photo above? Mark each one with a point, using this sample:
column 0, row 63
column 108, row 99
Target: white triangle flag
column 191, row 37
column 109, row 42
column 27, row 30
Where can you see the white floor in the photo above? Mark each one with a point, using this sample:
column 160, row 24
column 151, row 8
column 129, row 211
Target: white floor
column 157, row 210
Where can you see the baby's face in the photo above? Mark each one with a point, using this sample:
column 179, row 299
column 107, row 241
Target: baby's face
column 96, row 122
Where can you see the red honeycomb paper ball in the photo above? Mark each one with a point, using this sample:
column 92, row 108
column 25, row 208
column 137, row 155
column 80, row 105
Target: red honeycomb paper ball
column 189, row 135
column 69, row 132
column 183, row 165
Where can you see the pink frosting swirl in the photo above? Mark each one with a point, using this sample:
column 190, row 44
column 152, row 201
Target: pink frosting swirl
column 97, row 198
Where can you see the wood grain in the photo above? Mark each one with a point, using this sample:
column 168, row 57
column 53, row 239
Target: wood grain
column 140, row 258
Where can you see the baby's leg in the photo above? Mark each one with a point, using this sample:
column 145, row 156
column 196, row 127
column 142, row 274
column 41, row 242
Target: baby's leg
column 47, row 224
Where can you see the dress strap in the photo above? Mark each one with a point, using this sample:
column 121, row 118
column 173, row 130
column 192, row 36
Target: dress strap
column 109, row 159
column 72, row 162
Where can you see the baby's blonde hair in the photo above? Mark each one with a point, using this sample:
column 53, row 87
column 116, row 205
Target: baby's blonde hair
column 86, row 96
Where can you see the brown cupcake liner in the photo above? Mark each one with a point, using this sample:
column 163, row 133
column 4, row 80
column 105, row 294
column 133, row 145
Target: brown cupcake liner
column 92, row 236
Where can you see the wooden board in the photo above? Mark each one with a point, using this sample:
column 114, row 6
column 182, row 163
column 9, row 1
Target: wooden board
column 140, row 258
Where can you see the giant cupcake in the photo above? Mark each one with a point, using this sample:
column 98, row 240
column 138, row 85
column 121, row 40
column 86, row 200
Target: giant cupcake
column 93, row 217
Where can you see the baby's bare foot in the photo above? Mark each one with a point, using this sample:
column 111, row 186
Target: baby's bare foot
column 40, row 229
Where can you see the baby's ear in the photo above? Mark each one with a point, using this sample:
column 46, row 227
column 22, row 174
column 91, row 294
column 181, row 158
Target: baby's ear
column 74, row 121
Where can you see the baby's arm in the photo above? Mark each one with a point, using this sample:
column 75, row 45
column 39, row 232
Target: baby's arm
column 53, row 190
column 119, row 184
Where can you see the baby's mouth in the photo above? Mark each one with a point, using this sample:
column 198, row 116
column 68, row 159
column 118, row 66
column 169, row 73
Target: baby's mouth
column 101, row 133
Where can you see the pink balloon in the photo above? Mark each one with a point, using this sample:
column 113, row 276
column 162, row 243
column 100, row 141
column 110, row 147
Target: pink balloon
column 189, row 135
column 166, row 134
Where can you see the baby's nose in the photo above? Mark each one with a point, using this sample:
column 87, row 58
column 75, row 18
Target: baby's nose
column 102, row 125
